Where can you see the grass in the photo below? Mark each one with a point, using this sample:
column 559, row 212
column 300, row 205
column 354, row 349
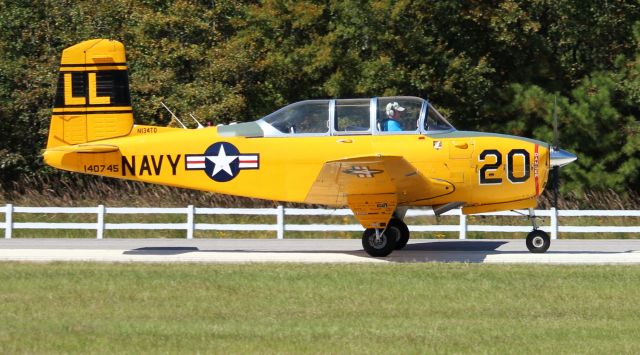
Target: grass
column 412, row 308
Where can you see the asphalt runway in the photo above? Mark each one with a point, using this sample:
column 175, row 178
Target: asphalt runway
column 314, row 251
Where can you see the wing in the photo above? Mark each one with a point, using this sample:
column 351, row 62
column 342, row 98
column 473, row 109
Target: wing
column 373, row 186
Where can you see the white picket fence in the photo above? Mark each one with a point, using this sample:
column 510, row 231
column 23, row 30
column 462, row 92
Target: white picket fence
column 280, row 227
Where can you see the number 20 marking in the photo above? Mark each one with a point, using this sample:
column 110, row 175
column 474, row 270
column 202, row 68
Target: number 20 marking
column 493, row 167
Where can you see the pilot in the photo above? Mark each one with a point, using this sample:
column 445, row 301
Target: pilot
column 393, row 113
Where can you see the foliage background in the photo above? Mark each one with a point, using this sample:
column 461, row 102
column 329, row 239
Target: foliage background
column 489, row 65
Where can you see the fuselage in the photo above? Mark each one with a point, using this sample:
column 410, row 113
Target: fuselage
column 386, row 151
column 484, row 168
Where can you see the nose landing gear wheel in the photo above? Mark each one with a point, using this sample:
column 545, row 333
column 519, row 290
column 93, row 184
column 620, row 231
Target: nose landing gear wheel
column 538, row 241
column 382, row 243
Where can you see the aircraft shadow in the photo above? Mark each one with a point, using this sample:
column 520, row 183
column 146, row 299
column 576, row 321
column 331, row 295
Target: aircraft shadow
column 161, row 251
column 432, row 246
column 456, row 246
column 437, row 251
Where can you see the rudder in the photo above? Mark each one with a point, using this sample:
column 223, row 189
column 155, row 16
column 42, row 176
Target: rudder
column 92, row 98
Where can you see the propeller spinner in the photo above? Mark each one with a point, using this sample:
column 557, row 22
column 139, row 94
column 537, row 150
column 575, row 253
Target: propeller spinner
column 560, row 157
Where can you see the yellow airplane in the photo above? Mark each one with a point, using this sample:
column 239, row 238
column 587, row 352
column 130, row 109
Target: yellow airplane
column 376, row 155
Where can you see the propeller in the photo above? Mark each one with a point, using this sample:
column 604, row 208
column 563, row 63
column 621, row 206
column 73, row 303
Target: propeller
column 556, row 168
column 559, row 157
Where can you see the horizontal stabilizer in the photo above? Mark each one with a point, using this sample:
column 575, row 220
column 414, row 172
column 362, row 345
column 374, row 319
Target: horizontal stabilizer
column 86, row 148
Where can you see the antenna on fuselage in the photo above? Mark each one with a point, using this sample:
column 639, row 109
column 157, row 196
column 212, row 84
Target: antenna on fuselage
column 195, row 119
column 173, row 115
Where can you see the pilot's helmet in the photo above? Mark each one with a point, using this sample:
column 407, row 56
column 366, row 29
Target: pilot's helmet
column 392, row 108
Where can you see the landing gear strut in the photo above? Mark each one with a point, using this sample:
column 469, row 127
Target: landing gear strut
column 538, row 241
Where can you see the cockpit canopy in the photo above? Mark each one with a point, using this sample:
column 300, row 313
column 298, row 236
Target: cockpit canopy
column 378, row 116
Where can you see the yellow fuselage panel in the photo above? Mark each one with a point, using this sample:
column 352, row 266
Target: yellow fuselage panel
column 483, row 168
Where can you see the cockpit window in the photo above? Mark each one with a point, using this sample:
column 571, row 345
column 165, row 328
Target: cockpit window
column 435, row 122
column 311, row 116
column 398, row 114
column 353, row 115
column 382, row 115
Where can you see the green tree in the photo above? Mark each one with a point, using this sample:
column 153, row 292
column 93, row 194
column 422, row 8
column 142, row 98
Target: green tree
column 489, row 65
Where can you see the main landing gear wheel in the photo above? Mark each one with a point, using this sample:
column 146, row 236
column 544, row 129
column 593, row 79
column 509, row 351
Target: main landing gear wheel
column 381, row 243
column 538, row 241
column 401, row 242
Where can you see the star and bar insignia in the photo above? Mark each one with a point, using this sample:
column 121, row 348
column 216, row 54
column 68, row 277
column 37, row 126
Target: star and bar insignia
column 222, row 161
column 361, row 171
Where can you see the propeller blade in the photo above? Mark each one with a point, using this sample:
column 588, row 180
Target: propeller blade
column 556, row 185
column 555, row 125
column 558, row 156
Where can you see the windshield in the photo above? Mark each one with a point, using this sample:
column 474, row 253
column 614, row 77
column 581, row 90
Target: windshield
column 435, row 122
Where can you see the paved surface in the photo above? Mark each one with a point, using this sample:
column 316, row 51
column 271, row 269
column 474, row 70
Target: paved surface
column 314, row 251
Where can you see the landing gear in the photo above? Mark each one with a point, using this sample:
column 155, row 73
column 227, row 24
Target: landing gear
column 538, row 241
column 381, row 242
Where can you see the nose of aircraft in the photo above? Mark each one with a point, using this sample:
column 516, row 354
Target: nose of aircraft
column 561, row 157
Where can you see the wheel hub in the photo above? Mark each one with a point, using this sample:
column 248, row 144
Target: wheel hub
column 537, row 242
column 379, row 241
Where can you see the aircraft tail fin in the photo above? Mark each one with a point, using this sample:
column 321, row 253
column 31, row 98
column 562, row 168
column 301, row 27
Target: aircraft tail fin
column 92, row 99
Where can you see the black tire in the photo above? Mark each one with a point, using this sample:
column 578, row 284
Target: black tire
column 403, row 239
column 538, row 241
column 384, row 246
